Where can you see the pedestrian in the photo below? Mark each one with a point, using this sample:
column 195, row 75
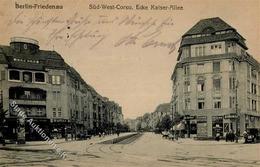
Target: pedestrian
column 232, row 136
column 245, row 135
column 2, row 140
column 118, row 133
column 99, row 134
column 217, row 136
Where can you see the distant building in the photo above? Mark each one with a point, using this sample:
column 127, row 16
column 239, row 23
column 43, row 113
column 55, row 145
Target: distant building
column 160, row 111
column 212, row 64
column 51, row 92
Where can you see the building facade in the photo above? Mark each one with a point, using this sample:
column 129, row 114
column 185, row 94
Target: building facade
column 216, row 83
column 50, row 91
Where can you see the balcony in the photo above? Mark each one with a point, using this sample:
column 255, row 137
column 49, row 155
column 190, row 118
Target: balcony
column 27, row 94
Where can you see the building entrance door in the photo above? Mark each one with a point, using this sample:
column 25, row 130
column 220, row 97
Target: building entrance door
column 217, row 125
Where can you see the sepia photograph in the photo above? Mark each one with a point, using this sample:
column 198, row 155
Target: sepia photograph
column 129, row 83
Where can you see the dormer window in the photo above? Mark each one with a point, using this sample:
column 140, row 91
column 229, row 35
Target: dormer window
column 25, row 46
column 39, row 77
column 27, row 77
column 14, row 75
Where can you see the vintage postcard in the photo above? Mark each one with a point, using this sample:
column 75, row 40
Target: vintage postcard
column 130, row 83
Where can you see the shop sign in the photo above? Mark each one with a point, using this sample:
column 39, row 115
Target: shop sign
column 231, row 116
column 201, row 119
column 189, row 117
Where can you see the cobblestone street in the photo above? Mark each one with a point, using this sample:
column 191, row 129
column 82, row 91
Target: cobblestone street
column 148, row 150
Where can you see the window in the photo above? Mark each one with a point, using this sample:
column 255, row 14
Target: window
column 216, row 84
column 231, row 102
column 216, row 66
column 254, row 105
column 14, row 75
column 201, row 85
column 201, row 105
column 253, row 88
column 59, row 114
column 186, row 70
column 187, row 104
column 56, row 79
column 232, row 83
column 39, row 77
column 54, row 114
column 253, row 74
column 231, row 66
column 248, row 71
column 248, row 103
column 56, row 95
column 200, row 68
column 187, row 86
column 200, row 50
column 27, row 77
column 217, row 104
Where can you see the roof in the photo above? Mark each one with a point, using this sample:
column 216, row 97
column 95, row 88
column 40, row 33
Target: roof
column 216, row 24
column 163, row 108
column 45, row 58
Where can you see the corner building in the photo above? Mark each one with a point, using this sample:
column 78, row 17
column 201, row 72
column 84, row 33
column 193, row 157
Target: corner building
column 50, row 91
column 215, row 81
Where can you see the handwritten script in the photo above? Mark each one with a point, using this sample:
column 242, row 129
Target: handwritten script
column 95, row 30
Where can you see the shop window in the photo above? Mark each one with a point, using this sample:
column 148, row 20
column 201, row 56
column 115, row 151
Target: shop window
column 14, row 75
column 39, row 77
column 27, row 77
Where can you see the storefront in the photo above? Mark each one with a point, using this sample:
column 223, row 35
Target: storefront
column 217, row 125
column 202, row 127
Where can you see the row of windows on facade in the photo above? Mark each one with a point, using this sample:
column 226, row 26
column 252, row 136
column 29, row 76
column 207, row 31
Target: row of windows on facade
column 217, row 85
column 213, row 49
column 217, row 103
column 55, row 114
column 208, row 34
column 30, row 77
column 215, row 66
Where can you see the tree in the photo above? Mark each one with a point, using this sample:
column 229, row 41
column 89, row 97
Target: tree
column 166, row 122
column 139, row 126
column 176, row 118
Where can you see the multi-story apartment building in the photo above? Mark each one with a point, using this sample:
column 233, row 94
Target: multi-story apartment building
column 48, row 90
column 216, row 83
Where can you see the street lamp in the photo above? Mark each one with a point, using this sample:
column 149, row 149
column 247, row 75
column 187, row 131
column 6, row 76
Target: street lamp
column 237, row 118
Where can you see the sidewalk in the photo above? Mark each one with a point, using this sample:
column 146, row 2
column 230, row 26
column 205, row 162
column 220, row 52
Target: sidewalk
column 37, row 146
